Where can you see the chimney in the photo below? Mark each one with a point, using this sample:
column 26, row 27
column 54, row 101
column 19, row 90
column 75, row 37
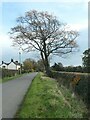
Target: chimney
column 16, row 61
column 2, row 62
column 11, row 60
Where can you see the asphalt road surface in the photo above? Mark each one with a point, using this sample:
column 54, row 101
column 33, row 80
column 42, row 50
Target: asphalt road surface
column 13, row 92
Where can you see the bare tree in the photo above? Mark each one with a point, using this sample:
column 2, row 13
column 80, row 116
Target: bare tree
column 43, row 32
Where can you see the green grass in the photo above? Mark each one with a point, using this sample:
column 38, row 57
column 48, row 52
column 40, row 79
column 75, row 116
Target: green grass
column 45, row 99
column 9, row 78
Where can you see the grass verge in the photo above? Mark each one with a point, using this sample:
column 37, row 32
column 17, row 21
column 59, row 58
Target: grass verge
column 45, row 99
column 9, row 78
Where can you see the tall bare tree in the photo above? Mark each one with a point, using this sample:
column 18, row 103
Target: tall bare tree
column 43, row 32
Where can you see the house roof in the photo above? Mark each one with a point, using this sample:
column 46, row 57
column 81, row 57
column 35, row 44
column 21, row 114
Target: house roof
column 4, row 63
column 15, row 62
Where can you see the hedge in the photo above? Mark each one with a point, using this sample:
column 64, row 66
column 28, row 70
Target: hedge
column 79, row 83
column 8, row 73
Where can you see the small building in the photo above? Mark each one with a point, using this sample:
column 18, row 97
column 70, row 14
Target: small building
column 12, row 65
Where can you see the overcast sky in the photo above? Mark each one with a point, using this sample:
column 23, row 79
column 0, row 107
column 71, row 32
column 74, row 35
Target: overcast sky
column 74, row 13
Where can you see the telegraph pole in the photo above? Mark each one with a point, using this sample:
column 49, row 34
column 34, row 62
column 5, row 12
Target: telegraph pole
column 20, row 59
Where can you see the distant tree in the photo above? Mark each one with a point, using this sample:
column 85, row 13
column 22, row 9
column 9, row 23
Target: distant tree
column 55, row 67
column 58, row 67
column 29, row 65
column 86, row 60
column 68, row 68
column 60, row 64
column 73, row 68
column 34, row 63
column 43, row 32
column 78, row 69
column 40, row 66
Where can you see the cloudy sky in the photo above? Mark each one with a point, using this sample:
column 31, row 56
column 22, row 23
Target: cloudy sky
column 74, row 13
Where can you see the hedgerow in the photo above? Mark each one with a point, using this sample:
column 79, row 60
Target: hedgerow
column 9, row 73
column 79, row 83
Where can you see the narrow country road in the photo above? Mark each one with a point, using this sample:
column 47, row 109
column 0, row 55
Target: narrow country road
column 13, row 92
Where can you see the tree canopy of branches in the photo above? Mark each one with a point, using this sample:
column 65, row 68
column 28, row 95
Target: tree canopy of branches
column 86, row 60
column 43, row 32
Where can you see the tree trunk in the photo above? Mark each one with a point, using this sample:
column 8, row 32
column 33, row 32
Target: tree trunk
column 47, row 67
column 46, row 63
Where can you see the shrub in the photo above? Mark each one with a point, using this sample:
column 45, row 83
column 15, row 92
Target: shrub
column 79, row 83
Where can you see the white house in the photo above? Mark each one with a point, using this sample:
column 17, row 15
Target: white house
column 13, row 65
column 4, row 65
